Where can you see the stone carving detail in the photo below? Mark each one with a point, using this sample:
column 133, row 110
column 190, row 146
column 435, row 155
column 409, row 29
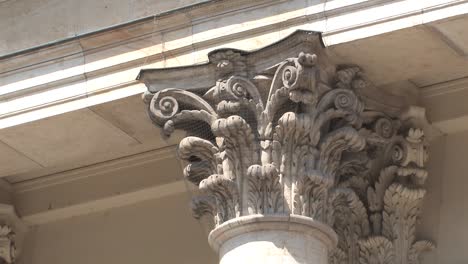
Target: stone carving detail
column 7, row 245
column 309, row 146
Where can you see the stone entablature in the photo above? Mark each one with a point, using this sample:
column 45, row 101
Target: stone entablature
column 284, row 132
column 72, row 74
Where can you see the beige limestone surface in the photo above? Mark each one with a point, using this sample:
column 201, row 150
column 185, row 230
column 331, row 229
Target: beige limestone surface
column 62, row 19
column 428, row 60
column 150, row 231
column 157, row 231
column 98, row 71
column 259, row 239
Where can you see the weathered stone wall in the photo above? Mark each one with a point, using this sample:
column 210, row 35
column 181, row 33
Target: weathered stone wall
column 163, row 231
column 158, row 231
column 445, row 216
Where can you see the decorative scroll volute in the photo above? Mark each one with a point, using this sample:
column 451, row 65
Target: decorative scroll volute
column 308, row 146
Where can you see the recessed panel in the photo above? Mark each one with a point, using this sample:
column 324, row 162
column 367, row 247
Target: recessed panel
column 75, row 138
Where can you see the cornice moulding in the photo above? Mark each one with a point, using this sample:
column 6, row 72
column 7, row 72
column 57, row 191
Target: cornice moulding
column 107, row 203
column 448, row 112
column 94, row 170
column 197, row 13
column 310, row 17
column 193, row 14
column 448, row 87
column 40, row 201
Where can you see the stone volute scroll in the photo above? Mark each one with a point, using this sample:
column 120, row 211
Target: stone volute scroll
column 294, row 161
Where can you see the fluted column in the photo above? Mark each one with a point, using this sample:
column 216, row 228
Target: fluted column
column 294, row 161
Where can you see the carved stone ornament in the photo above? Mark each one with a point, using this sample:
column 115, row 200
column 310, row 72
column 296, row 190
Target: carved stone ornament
column 12, row 232
column 283, row 131
column 7, row 244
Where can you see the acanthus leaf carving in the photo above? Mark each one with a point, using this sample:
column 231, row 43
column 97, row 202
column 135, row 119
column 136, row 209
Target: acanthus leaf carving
column 266, row 195
column 376, row 249
column 7, row 244
column 202, row 156
column 309, row 146
column 350, row 222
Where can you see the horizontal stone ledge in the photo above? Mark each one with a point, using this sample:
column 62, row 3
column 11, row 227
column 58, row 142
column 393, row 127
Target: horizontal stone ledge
column 112, row 67
column 95, row 188
column 121, row 200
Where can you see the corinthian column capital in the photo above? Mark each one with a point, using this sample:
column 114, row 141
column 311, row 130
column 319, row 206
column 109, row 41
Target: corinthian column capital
column 283, row 142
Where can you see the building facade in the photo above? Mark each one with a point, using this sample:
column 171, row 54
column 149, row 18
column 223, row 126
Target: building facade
column 268, row 131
